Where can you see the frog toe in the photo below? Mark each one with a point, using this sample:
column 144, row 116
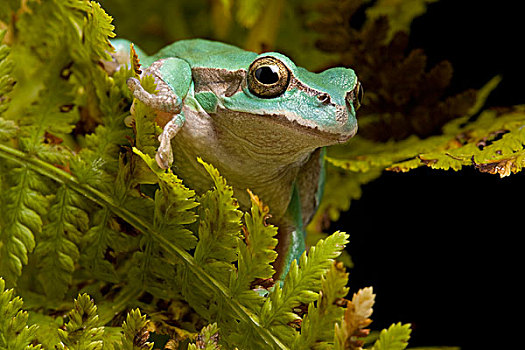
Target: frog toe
column 165, row 100
column 164, row 158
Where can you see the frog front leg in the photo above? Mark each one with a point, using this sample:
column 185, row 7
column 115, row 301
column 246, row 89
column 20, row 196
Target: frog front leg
column 173, row 79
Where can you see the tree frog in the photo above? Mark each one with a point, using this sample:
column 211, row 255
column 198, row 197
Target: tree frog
column 260, row 119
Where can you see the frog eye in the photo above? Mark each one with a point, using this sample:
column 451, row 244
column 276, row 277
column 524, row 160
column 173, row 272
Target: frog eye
column 268, row 77
column 355, row 97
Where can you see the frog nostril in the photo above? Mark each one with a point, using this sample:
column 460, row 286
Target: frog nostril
column 324, row 98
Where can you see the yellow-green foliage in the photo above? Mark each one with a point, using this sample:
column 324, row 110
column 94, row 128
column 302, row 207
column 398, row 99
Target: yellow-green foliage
column 14, row 332
column 87, row 213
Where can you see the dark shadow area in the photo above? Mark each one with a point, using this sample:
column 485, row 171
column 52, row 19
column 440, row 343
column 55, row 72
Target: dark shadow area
column 441, row 249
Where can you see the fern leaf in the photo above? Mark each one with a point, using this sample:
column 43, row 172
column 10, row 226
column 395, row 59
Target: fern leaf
column 207, row 339
column 146, row 132
column 219, row 230
column 219, row 227
column 394, row 338
column 106, row 98
column 57, row 247
column 8, row 129
column 83, row 331
column 356, row 319
column 105, row 237
column 24, row 204
column 57, row 47
column 49, row 110
column 301, row 286
column 47, row 327
column 14, row 332
column 43, row 100
column 100, row 155
column 96, row 32
column 462, row 143
column 6, row 79
column 99, row 160
column 135, row 332
column 97, row 241
column 174, row 204
column 106, row 234
column 256, row 254
column 317, row 328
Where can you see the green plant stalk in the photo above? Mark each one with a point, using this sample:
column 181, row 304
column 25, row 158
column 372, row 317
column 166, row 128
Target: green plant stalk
column 104, row 200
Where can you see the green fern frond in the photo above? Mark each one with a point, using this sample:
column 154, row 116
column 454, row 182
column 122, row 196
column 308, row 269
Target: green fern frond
column 96, row 31
column 207, row 339
column 102, row 147
column 47, row 327
column 256, row 254
column 6, row 79
column 98, row 161
column 14, row 332
column 135, row 332
column 317, row 328
column 50, row 114
column 97, row 241
column 105, row 97
column 219, row 227
column 57, row 49
column 173, row 210
column 173, row 205
column 8, row 129
column 23, row 203
column 43, row 98
column 83, row 331
column 301, row 286
column 57, row 249
column 106, row 234
column 146, row 131
column 394, row 338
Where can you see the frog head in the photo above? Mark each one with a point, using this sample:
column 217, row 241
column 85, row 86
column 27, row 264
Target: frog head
column 320, row 106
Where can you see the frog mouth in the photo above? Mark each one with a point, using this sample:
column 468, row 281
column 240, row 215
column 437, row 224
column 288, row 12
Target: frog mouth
column 293, row 128
column 314, row 130
column 308, row 128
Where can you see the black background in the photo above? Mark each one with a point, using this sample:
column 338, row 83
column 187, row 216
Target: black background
column 442, row 249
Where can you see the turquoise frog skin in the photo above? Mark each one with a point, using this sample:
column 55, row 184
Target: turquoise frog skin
column 260, row 119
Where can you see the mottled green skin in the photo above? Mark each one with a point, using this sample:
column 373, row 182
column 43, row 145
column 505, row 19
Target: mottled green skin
column 204, row 53
column 271, row 145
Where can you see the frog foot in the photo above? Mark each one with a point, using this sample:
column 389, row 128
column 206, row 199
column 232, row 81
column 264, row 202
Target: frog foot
column 166, row 102
column 164, row 156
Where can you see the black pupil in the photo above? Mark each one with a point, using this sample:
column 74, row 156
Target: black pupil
column 267, row 74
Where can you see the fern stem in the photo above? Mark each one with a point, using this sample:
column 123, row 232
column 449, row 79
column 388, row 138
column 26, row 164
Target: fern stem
column 102, row 199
